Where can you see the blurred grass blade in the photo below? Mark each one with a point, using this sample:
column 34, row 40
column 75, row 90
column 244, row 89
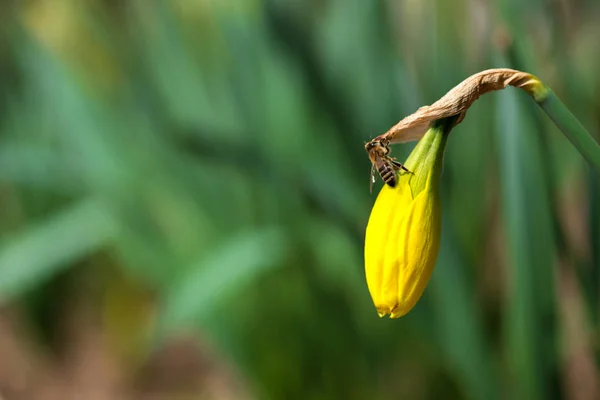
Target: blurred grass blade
column 570, row 127
column 461, row 333
column 594, row 234
column 41, row 251
column 531, row 252
column 221, row 273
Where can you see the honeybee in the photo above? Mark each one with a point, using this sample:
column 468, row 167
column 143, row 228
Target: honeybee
column 381, row 162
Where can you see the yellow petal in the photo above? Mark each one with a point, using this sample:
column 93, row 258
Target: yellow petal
column 402, row 242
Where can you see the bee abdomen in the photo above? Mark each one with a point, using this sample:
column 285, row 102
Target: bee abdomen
column 388, row 175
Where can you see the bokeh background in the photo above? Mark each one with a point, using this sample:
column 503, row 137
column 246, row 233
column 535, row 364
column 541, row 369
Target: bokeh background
column 184, row 193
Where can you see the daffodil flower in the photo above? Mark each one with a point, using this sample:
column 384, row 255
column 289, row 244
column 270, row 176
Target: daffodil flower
column 403, row 234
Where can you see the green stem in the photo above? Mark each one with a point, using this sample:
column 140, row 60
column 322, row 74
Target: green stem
column 569, row 125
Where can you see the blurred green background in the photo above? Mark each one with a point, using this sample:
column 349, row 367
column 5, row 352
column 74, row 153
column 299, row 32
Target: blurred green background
column 184, row 193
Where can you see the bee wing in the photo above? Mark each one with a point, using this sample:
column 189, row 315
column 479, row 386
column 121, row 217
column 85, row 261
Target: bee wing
column 372, row 178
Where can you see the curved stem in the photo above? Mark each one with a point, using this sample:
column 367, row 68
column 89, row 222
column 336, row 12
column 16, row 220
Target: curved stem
column 569, row 125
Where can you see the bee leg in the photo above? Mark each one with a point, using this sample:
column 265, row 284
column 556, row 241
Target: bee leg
column 398, row 165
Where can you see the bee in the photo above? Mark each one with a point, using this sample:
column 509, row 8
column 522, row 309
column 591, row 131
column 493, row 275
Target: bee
column 381, row 162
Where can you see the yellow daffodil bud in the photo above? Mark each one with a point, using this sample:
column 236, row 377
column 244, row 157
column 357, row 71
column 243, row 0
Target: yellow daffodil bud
column 403, row 234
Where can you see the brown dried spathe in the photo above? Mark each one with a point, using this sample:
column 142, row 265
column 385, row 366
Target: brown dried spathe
column 456, row 102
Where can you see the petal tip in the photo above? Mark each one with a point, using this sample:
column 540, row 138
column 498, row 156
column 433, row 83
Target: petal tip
column 383, row 311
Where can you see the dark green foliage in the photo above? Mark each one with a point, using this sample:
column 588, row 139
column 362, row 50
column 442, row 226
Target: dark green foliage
column 213, row 156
